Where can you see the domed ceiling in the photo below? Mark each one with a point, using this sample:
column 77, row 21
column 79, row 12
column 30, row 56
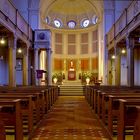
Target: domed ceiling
column 70, row 14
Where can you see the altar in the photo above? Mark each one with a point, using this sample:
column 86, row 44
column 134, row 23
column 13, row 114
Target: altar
column 71, row 75
column 71, row 72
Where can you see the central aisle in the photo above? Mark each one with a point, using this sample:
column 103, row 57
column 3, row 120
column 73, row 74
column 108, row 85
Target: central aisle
column 70, row 119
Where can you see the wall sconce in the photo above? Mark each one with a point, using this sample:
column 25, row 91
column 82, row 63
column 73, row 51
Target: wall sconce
column 113, row 56
column 2, row 41
column 123, row 51
column 19, row 50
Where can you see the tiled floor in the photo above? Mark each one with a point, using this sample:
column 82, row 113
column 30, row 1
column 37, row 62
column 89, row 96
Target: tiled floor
column 70, row 119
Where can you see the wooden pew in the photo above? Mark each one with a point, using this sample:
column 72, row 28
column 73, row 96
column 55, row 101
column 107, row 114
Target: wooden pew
column 92, row 97
column 44, row 101
column 26, row 108
column 98, row 98
column 2, row 129
column 136, row 135
column 52, row 95
column 37, row 100
column 127, row 116
column 104, row 103
column 14, row 117
column 113, row 107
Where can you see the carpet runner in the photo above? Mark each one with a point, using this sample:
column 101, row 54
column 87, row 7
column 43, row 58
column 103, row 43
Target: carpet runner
column 70, row 119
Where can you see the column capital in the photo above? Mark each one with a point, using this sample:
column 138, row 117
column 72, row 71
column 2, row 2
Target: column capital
column 12, row 41
column 36, row 49
column 129, row 41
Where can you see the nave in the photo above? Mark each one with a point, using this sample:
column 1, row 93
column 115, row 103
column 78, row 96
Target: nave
column 40, row 113
column 70, row 119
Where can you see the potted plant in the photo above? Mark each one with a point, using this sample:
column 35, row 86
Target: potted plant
column 86, row 78
column 55, row 78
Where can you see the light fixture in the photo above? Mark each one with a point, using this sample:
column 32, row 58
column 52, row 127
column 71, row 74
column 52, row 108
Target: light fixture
column 113, row 57
column 19, row 50
column 123, row 51
column 2, row 41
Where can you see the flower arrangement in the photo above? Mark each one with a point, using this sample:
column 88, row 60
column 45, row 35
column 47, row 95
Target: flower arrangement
column 57, row 78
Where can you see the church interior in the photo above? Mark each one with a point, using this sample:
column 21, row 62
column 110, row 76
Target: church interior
column 69, row 69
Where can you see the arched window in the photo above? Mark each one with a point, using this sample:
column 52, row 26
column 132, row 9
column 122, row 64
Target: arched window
column 85, row 23
column 57, row 23
column 71, row 24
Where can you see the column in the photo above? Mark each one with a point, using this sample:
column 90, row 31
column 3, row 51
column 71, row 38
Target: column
column 109, row 75
column 36, row 65
column 12, row 42
column 117, row 66
column 130, row 60
column 90, row 42
column 78, row 52
column 49, row 67
column 25, row 66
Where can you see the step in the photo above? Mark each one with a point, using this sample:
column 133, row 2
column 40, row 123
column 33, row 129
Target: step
column 68, row 90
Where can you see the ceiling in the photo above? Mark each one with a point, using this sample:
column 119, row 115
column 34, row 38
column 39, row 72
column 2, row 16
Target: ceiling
column 66, row 10
column 71, row 7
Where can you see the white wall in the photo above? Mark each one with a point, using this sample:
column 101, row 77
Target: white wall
column 112, row 11
column 3, row 72
column 19, row 77
column 22, row 6
column 123, row 70
column 4, row 78
column 120, row 6
column 29, row 9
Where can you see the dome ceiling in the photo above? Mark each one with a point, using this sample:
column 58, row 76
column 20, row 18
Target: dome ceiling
column 69, row 14
column 71, row 7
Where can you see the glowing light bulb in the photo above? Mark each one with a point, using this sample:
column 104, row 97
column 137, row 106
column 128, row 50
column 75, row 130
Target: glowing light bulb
column 123, row 51
column 2, row 41
column 113, row 57
column 19, row 50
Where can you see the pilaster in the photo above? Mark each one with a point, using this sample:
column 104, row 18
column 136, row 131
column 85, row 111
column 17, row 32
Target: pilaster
column 25, row 66
column 117, row 66
column 49, row 52
column 130, row 60
column 36, row 64
column 12, row 42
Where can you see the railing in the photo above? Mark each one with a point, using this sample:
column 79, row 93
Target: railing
column 127, row 16
column 14, row 16
column 110, row 35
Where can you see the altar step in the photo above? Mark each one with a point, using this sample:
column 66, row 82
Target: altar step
column 71, row 90
column 72, row 83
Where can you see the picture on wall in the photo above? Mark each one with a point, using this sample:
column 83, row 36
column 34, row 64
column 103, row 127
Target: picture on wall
column 19, row 64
